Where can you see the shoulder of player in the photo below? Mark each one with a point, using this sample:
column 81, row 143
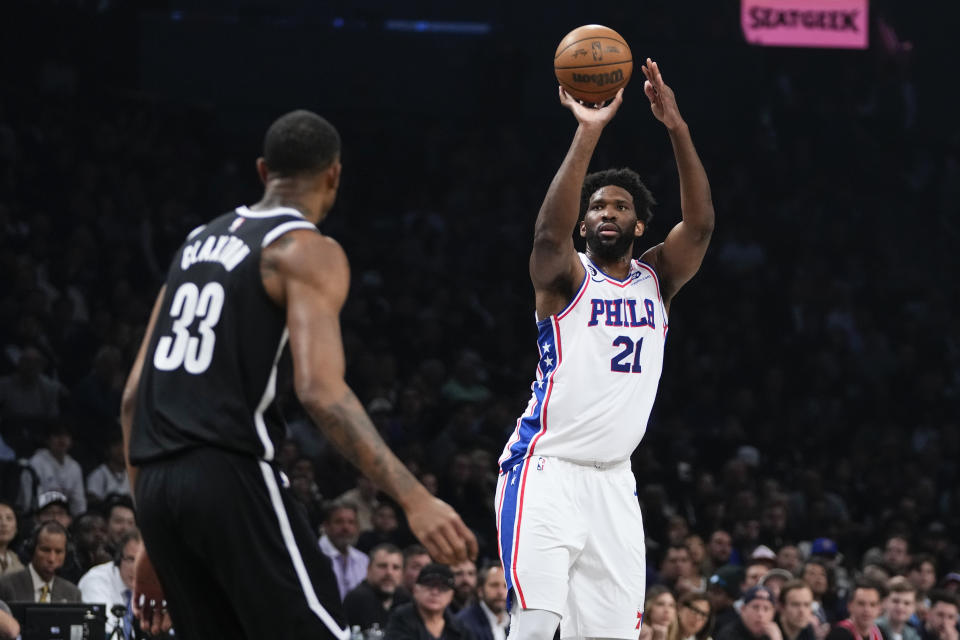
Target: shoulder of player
column 304, row 249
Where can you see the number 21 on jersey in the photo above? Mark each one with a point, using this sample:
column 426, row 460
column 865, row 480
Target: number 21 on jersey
column 193, row 353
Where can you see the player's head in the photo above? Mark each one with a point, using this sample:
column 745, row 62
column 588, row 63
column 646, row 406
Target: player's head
column 303, row 148
column 615, row 208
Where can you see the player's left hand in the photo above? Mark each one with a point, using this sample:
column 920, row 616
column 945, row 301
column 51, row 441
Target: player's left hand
column 149, row 603
column 662, row 101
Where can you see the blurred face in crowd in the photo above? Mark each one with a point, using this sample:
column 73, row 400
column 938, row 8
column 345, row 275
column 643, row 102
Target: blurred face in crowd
column 385, row 518
column 899, row 606
column 677, row 563
column 661, row 610
column 59, row 444
column 797, row 608
column 756, row 615
column 91, row 532
column 57, row 512
column 121, row 521
column 692, row 617
column 942, row 618
column 816, row 577
column 8, row 525
column 411, row 569
column 342, row 529
column 384, row 571
column 895, row 554
column 128, row 560
column 719, row 547
column 788, row 557
column 923, row 577
column 50, row 553
column 432, row 598
column 774, row 583
column 493, row 591
column 752, row 576
column 864, row 608
column 464, row 580
column 696, row 548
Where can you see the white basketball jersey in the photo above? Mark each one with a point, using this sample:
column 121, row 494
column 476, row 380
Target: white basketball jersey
column 600, row 364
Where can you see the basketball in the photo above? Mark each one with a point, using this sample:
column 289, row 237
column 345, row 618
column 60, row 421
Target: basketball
column 592, row 63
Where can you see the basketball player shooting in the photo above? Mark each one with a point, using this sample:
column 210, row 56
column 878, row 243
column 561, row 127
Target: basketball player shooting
column 570, row 530
column 232, row 553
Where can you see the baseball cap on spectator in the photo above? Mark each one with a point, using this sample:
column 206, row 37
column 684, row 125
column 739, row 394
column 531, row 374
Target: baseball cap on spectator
column 764, row 554
column 950, row 577
column 728, row 579
column 823, row 547
column 748, row 455
column 48, row 498
column 436, row 575
column 757, row 593
column 773, row 574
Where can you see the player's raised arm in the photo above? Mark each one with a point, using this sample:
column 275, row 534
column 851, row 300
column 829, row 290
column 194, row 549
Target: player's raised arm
column 678, row 258
column 554, row 267
column 309, row 274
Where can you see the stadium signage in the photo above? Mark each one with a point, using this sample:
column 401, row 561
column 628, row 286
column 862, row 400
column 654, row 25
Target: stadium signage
column 806, row 23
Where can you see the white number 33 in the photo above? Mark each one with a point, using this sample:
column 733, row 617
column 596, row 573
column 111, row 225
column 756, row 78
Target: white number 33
column 194, row 353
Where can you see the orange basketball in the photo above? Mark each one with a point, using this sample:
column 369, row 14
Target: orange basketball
column 592, row 63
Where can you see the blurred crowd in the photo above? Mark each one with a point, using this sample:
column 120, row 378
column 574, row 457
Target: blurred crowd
column 808, row 411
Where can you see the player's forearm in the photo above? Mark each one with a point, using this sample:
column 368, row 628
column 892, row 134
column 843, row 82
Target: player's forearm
column 346, row 425
column 561, row 206
column 696, row 203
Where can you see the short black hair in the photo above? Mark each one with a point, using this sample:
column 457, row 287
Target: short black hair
column 643, row 200
column 300, row 142
column 864, row 583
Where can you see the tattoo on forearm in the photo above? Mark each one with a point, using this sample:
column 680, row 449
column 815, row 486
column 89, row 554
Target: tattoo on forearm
column 348, row 427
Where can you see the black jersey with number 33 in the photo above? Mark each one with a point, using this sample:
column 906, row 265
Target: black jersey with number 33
column 210, row 371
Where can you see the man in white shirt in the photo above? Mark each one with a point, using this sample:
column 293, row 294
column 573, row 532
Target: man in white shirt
column 111, row 583
column 111, row 476
column 487, row 617
column 340, row 533
column 57, row 471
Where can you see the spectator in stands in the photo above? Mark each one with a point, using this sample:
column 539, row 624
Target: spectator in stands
column 816, row 574
column 464, row 585
column 371, row 601
column 364, row 497
column 53, row 505
column 39, row 582
column 788, row 559
column 415, row 558
column 723, row 589
column 90, row 543
column 339, row 534
column 896, row 554
column 774, row 580
column 796, row 618
column 754, row 572
column 922, row 573
column 676, row 564
column 487, row 618
column 57, row 471
column 942, row 618
column 756, row 618
column 719, row 548
column 110, row 477
column 428, row 615
column 111, row 583
column 9, row 562
column 659, row 610
column 386, row 529
column 121, row 518
column 698, row 554
column 303, row 486
column 898, row 607
column 28, row 398
column 864, row 608
column 694, row 620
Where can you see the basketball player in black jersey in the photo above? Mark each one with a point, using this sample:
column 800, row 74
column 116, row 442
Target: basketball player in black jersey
column 235, row 559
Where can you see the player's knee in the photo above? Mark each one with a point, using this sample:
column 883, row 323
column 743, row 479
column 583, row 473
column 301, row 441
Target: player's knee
column 533, row 624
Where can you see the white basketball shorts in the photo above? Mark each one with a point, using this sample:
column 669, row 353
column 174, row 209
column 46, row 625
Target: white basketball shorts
column 571, row 541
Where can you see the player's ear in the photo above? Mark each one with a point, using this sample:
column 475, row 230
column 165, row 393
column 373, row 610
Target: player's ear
column 639, row 229
column 583, row 228
column 333, row 175
column 262, row 170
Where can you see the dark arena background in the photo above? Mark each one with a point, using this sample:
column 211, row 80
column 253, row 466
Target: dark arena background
column 811, row 387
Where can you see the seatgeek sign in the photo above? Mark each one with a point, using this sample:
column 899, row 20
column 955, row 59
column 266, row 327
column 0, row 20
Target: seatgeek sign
column 829, row 24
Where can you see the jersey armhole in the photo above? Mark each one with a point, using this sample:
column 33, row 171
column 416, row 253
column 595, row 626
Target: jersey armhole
column 271, row 236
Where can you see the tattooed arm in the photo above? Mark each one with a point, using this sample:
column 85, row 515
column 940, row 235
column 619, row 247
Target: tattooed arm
column 308, row 274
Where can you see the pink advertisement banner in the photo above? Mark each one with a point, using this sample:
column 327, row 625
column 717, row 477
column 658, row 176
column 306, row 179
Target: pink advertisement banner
column 836, row 24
